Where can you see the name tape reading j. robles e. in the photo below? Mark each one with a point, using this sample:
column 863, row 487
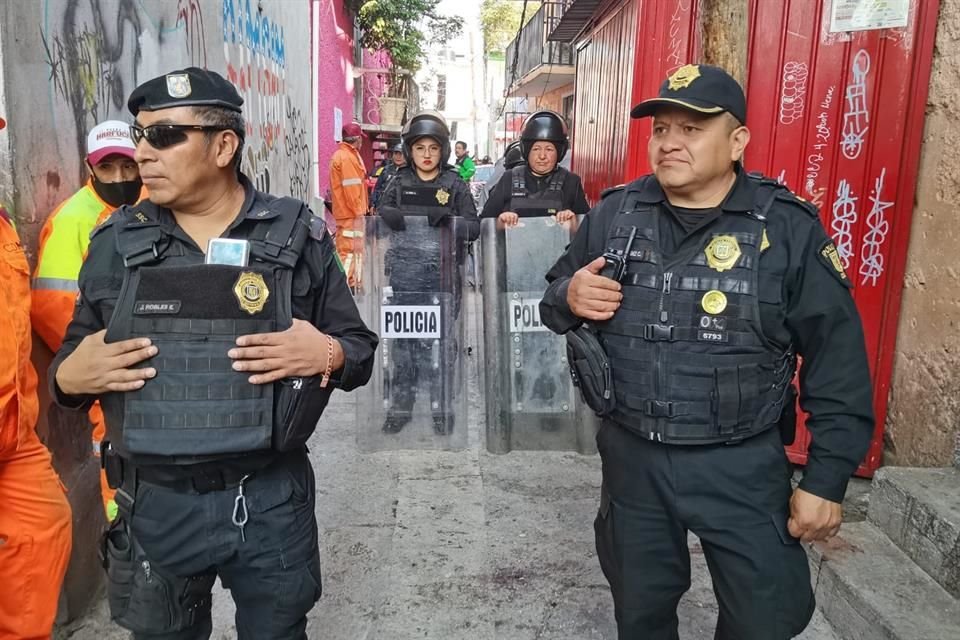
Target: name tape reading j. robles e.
column 410, row 321
column 525, row 315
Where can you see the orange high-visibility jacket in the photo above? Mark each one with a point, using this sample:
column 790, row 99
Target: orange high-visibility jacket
column 64, row 240
column 63, row 246
column 347, row 187
column 18, row 379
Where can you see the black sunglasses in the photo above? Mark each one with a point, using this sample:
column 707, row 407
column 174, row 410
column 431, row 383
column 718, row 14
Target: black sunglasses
column 161, row 136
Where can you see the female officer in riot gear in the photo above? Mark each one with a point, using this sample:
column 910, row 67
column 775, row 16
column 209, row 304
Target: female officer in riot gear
column 427, row 187
column 542, row 187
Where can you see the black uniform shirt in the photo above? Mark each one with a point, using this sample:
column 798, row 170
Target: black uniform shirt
column 320, row 293
column 462, row 205
column 571, row 193
column 804, row 301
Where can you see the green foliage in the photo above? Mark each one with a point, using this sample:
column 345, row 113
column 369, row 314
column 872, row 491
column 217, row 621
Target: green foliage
column 500, row 22
column 403, row 28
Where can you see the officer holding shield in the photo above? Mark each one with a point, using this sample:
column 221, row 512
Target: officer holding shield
column 425, row 202
column 212, row 323
column 703, row 284
column 540, row 187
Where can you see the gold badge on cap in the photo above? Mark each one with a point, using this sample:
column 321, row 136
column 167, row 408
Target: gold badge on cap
column 684, row 77
column 178, row 85
column 723, row 253
column 714, row 302
column 443, row 197
column 251, row 292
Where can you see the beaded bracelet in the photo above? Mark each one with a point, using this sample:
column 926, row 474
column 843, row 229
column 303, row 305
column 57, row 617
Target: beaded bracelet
column 329, row 370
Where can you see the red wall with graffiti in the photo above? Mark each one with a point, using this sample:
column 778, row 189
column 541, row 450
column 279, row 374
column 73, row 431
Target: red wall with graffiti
column 838, row 117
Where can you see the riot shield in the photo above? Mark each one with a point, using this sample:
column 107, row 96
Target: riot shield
column 530, row 400
column 411, row 295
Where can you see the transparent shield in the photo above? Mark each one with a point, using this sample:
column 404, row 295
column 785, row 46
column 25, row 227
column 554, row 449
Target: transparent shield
column 411, row 295
column 530, row 400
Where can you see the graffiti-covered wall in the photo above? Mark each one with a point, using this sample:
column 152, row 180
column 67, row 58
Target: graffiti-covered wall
column 68, row 64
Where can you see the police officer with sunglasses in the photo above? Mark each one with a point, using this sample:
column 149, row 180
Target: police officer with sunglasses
column 213, row 322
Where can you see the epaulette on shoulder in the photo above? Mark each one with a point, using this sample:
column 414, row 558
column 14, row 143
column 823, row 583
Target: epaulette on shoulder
column 609, row 191
column 785, row 195
column 106, row 224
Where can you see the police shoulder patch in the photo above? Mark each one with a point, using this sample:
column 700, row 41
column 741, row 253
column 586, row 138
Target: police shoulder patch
column 830, row 258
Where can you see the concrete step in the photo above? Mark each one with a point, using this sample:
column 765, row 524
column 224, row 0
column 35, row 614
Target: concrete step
column 919, row 510
column 868, row 589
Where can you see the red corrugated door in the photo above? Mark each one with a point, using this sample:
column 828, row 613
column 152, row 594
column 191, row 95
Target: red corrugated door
column 839, row 118
column 668, row 37
column 604, row 73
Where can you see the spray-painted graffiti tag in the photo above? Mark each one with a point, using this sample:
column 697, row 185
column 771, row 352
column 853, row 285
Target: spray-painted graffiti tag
column 871, row 265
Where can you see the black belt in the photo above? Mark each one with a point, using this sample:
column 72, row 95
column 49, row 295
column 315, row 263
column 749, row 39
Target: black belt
column 205, row 480
column 196, row 478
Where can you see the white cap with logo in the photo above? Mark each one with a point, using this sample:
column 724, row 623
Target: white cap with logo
column 109, row 137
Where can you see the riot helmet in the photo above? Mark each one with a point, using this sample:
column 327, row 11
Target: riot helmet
column 547, row 126
column 426, row 124
column 513, row 156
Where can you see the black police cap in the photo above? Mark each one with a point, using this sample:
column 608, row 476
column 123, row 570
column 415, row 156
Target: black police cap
column 190, row 87
column 698, row 87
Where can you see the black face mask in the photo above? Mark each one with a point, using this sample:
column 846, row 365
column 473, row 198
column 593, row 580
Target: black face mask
column 117, row 193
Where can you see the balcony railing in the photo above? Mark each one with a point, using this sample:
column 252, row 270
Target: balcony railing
column 535, row 50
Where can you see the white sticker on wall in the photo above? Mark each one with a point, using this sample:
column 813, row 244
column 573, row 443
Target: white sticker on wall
column 862, row 15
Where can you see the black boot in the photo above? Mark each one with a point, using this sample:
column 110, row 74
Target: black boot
column 394, row 424
column 443, row 424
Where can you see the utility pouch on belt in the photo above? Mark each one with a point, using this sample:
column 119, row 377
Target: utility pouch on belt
column 142, row 599
column 590, row 370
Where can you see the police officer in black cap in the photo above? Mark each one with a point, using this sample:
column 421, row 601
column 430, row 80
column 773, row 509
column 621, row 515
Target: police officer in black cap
column 541, row 187
column 213, row 321
column 704, row 284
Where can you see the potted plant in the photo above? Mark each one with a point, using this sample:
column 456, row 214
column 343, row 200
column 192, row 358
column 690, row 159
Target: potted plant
column 403, row 29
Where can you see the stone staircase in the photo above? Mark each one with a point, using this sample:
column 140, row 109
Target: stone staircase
column 896, row 576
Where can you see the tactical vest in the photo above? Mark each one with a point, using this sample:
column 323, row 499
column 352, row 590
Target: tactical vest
column 689, row 359
column 197, row 405
column 415, row 259
column 546, row 202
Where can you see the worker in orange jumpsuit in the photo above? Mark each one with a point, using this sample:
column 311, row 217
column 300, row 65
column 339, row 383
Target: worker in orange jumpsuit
column 114, row 181
column 35, row 520
column 350, row 201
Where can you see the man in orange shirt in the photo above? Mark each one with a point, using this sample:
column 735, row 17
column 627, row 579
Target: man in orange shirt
column 35, row 521
column 350, row 200
column 114, row 181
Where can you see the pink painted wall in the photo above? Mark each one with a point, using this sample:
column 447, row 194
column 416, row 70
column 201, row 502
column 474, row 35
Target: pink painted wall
column 373, row 86
column 336, row 84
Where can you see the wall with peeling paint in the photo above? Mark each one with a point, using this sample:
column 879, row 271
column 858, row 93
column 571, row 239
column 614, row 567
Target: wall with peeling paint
column 923, row 422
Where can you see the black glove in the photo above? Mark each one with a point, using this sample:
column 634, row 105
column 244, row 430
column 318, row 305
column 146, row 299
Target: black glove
column 393, row 218
column 436, row 219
